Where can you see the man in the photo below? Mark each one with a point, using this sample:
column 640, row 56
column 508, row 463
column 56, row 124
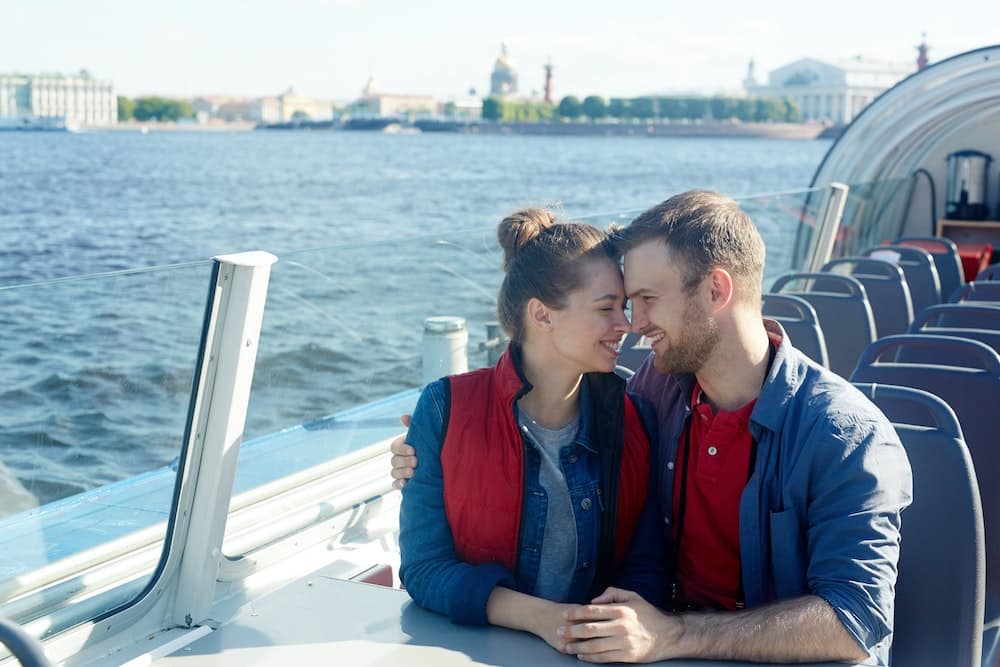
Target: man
column 780, row 486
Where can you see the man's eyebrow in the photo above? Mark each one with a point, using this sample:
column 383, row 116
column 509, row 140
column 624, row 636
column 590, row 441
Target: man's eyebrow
column 639, row 292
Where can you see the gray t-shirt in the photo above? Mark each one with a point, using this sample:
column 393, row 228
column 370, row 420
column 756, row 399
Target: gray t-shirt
column 558, row 554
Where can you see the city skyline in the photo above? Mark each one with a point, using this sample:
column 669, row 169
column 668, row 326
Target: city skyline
column 327, row 48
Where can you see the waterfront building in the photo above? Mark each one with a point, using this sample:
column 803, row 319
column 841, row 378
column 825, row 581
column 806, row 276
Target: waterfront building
column 300, row 107
column 375, row 103
column 829, row 91
column 77, row 99
column 503, row 80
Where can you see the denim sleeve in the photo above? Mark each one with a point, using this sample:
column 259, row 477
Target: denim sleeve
column 430, row 569
column 645, row 568
column 861, row 485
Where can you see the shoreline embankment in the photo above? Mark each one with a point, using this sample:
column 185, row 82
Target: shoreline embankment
column 391, row 125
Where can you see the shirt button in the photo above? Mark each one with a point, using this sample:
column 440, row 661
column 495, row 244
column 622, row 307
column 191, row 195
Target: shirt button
column 585, row 503
column 712, row 451
column 572, row 458
column 666, row 520
column 670, row 466
column 585, row 565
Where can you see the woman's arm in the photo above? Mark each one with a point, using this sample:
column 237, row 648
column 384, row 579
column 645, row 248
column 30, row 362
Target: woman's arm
column 433, row 574
column 430, row 568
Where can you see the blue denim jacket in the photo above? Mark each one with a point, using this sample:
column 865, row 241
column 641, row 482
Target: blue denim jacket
column 821, row 513
column 431, row 570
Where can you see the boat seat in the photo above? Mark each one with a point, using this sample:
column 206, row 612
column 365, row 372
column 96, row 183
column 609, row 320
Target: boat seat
column 990, row 273
column 886, row 288
column 966, row 388
column 800, row 322
column 965, row 315
column 379, row 574
column 939, row 592
column 976, row 291
column 634, row 351
column 946, row 258
column 842, row 308
column 919, row 269
column 976, row 258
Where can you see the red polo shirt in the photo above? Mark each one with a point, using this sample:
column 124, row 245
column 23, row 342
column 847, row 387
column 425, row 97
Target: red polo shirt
column 708, row 569
column 708, row 564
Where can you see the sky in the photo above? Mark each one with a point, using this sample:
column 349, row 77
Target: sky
column 327, row 48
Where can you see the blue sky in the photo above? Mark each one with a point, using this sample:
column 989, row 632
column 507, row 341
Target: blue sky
column 442, row 47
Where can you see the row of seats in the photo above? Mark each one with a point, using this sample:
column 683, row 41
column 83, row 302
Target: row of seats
column 899, row 279
column 935, row 374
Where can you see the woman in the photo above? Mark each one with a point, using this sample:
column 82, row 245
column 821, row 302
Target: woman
column 532, row 480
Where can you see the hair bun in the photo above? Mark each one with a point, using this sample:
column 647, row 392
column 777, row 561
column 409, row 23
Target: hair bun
column 520, row 228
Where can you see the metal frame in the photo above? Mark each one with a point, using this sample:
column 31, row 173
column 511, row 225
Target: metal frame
column 181, row 591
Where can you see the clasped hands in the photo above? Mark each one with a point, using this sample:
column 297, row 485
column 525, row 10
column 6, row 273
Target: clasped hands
column 619, row 626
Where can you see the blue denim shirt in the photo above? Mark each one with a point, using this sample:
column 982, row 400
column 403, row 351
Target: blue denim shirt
column 821, row 513
column 431, row 570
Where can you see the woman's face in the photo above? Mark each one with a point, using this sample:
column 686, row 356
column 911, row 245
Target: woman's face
column 587, row 333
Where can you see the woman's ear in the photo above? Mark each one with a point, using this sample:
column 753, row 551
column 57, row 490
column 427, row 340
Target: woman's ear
column 539, row 316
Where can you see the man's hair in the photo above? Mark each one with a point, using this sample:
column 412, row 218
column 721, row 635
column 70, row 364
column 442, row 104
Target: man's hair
column 703, row 230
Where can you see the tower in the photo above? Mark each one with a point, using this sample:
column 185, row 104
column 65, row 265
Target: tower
column 548, row 81
column 503, row 80
column 922, row 52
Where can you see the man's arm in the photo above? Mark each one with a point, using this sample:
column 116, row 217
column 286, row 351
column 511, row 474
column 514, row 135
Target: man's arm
column 404, row 457
column 622, row 627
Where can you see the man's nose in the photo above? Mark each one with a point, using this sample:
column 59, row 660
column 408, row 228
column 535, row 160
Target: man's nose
column 639, row 321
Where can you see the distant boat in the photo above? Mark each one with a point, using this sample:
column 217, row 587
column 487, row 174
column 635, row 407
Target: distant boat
column 36, row 124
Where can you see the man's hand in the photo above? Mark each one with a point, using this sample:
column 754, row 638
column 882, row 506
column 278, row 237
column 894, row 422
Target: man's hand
column 619, row 626
column 404, row 458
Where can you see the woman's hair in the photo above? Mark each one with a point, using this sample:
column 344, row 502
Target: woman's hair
column 543, row 258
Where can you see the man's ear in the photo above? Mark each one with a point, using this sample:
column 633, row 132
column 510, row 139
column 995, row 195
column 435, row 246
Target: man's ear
column 539, row 316
column 722, row 288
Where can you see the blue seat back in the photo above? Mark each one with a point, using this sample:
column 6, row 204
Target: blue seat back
column 976, row 291
column 885, row 285
column 969, row 382
column 800, row 322
column 634, row 351
column 944, row 252
column 842, row 308
column 941, row 584
column 991, row 272
column 920, row 271
column 965, row 315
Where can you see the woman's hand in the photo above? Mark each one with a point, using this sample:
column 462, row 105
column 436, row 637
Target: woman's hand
column 519, row 611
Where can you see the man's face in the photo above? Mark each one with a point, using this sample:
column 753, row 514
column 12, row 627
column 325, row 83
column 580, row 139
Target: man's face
column 678, row 325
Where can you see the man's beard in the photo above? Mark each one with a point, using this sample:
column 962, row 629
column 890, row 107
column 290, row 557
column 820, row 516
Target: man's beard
column 698, row 338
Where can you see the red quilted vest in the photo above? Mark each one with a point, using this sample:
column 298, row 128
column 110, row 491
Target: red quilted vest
column 482, row 460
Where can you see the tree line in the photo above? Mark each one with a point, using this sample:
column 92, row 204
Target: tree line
column 154, row 109
column 595, row 107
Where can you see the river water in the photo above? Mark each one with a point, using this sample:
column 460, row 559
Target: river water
column 96, row 372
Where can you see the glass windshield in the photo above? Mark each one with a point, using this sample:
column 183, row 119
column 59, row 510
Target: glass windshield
column 97, row 375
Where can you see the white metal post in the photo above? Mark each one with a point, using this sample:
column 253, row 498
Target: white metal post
column 828, row 223
column 217, row 430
